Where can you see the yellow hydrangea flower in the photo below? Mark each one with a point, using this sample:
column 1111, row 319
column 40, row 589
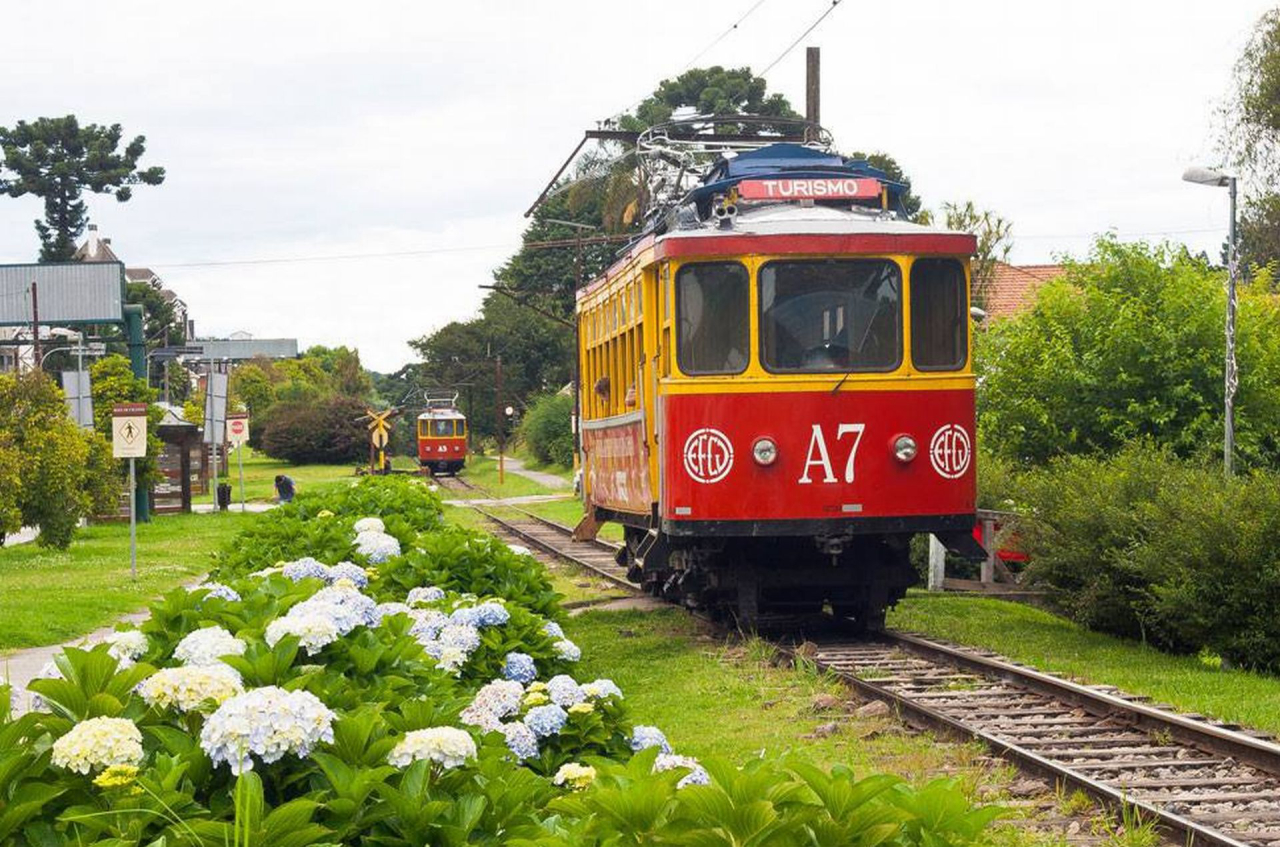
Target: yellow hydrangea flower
column 536, row 698
column 581, row 709
column 575, row 776
column 116, row 776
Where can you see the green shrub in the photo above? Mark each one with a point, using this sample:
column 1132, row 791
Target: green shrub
column 1084, row 518
column 547, row 429
column 322, row 430
column 1212, row 543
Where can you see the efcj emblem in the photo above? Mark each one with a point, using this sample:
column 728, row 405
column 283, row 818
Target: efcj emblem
column 950, row 451
column 708, row 455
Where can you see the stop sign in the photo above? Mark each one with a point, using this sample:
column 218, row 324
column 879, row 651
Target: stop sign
column 237, row 429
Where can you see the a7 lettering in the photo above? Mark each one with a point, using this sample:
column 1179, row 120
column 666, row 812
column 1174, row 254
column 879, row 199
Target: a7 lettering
column 817, row 456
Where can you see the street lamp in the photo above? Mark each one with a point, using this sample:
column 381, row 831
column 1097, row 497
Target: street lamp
column 1217, row 179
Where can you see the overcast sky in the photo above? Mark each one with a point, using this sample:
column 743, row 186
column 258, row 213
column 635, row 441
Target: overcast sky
column 322, row 130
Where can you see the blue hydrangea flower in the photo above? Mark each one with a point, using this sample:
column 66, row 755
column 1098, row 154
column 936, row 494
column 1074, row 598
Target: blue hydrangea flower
column 427, row 623
column 648, row 736
column 520, row 740
column 351, row 571
column 564, row 691
column 546, row 721
column 553, row 629
column 425, row 594
column 386, row 610
column 306, row 568
column 491, row 613
column 217, row 589
column 520, row 667
column 346, row 607
column 377, row 547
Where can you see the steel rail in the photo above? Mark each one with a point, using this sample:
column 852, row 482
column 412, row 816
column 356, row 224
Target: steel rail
column 1188, row 732
column 1259, row 752
column 918, row 714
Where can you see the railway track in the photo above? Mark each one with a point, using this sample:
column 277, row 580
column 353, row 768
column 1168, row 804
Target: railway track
column 1203, row 782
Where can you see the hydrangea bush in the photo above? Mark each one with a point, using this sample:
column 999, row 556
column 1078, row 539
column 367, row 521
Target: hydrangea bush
column 358, row 674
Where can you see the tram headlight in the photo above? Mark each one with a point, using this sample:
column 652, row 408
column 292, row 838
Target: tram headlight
column 764, row 451
column 904, row 448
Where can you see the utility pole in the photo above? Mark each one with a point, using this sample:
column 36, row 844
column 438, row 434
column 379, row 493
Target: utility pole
column 812, row 91
column 35, row 325
column 497, row 419
column 1232, row 376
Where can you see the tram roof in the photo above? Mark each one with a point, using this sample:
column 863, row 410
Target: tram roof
column 441, row 414
column 788, row 227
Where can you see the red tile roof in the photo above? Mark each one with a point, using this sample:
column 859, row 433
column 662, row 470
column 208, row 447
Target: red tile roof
column 1013, row 287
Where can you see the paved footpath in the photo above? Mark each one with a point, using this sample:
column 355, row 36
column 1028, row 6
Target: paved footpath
column 550, row 480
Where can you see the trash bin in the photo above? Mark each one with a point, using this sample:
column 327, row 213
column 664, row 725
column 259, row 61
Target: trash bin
column 224, row 495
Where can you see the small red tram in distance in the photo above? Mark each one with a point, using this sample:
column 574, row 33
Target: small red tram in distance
column 442, row 434
column 777, row 391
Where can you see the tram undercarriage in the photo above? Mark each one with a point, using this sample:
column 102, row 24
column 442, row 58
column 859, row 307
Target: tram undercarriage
column 755, row 579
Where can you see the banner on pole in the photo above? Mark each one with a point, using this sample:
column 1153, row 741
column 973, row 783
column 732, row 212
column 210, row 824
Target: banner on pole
column 215, row 409
column 75, row 384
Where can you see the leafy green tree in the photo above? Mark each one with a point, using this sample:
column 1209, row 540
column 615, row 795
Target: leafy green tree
column 10, row 487
column 1252, row 140
column 62, row 476
column 994, row 235
column 345, row 373
column 161, row 325
column 1128, row 345
column 910, row 202
column 710, row 91
column 537, row 357
column 547, row 431
column 57, row 159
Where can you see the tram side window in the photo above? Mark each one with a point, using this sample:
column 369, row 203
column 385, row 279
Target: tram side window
column 819, row 316
column 712, row 314
column 939, row 324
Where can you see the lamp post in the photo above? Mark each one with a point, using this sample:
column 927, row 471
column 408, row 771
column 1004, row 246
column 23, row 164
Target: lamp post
column 1217, row 179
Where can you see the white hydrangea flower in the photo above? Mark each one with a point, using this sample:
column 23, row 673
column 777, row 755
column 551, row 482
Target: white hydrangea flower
column 127, row 646
column 191, row 687
column 567, row 650
column 369, row 525
column 377, row 547
column 519, row 550
column 99, row 743
column 451, row 659
column 345, row 605
column 447, row 746
column 424, row 594
column 463, row 636
column 314, row 630
column 575, row 776
column 602, row 688
column 267, row 723
column 207, row 646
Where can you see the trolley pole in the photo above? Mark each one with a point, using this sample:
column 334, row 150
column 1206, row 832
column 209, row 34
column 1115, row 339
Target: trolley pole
column 497, row 420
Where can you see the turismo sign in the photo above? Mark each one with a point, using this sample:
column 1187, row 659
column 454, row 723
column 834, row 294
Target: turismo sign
column 823, row 188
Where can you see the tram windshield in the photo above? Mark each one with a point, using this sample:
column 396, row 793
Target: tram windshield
column 821, row 316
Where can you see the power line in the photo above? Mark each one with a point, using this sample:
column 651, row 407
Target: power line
column 725, row 34
column 340, row 257
column 802, row 37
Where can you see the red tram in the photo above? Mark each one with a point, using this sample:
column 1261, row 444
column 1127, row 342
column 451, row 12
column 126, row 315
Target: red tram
column 442, row 434
column 777, row 391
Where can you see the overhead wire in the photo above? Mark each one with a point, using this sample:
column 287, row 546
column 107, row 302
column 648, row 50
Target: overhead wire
column 723, row 35
column 802, row 37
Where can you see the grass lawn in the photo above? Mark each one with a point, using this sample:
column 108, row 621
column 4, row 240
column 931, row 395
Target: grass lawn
column 260, row 474
column 49, row 596
column 1053, row 644
column 534, row 465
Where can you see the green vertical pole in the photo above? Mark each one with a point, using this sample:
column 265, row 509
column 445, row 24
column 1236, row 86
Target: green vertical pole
column 138, row 364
